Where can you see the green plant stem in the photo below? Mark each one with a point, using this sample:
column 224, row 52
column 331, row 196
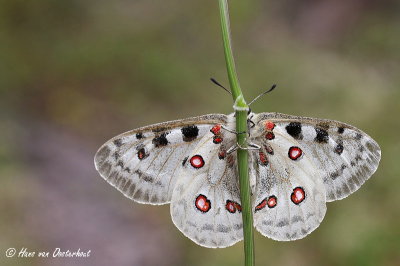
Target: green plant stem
column 241, row 109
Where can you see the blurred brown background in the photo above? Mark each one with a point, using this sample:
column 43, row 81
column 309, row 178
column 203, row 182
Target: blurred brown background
column 75, row 73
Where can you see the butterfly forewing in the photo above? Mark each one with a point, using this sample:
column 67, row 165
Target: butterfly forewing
column 346, row 156
column 143, row 163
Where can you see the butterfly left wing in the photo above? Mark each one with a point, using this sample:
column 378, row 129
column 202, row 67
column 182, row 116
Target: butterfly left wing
column 205, row 204
column 143, row 163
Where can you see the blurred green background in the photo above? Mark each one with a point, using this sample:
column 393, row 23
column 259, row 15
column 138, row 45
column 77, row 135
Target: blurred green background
column 75, row 73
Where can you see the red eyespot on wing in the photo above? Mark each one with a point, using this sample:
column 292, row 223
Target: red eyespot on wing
column 298, row 195
column 141, row 154
column 197, row 161
column 202, row 203
column 233, row 206
column 222, row 155
column 270, row 136
column 238, row 207
column 295, row 153
column 216, row 130
column 261, row 205
column 217, row 139
column 269, row 126
column 272, row 201
column 269, row 149
column 230, row 206
column 263, row 158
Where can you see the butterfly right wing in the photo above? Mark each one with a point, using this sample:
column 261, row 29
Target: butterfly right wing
column 346, row 155
column 143, row 163
column 316, row 159
column 289, row 200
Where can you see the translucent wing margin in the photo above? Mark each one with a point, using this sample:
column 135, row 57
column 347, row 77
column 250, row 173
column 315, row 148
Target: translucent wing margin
column 143, row 163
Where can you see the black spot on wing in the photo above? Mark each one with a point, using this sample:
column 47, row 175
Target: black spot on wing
column 358, row 136
column 139, row 135
column 117, row 142
column 338, row 172
column 294, row 130
column 142, row 153
column 340, row 130
column 185, row 160
column 322, row 135
column 161, row 140
column 190, row 133
column 339, row 147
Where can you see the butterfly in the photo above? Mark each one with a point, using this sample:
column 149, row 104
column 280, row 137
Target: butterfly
column 298, row 164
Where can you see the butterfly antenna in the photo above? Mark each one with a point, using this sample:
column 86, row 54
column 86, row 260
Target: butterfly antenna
column 218, row 84
column 262, row 94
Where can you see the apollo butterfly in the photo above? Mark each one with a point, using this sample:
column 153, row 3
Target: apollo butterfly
column 300, row 164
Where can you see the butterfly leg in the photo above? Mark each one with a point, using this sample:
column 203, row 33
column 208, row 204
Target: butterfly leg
column 249, row 121
column 232, row 149
column 250, row 146
column 234, row 132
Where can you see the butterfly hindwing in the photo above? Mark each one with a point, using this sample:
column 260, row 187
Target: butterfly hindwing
column 205, row 203
column 289, row 200
column 346, row 155
column 143, row 163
